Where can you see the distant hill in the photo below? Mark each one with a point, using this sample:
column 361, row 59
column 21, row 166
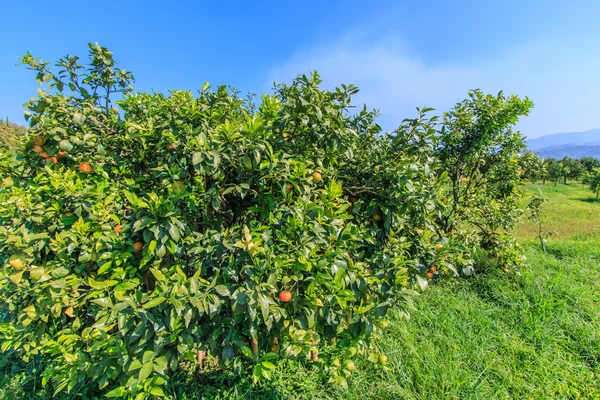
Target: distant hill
column 574, row 145
column 587, row 138
column 571, row 151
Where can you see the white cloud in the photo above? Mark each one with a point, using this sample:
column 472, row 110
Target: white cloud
column 561, row 76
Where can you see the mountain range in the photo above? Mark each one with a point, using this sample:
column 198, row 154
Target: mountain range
column 574, row 144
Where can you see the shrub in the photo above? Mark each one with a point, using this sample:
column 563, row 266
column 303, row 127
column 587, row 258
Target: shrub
column 480, row 155
column 166, row 229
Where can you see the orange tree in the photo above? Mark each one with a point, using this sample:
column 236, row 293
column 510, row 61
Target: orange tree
column 481, row 155
column 156, row 232
column 143, row 233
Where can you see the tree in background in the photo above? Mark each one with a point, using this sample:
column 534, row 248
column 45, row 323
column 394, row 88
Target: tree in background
column 589, row 164
column 480, row 152
column 592, row 180
column 532, row 167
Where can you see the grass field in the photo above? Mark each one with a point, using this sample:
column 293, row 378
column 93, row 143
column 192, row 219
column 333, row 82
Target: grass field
column 533, row 335
column 571, row 210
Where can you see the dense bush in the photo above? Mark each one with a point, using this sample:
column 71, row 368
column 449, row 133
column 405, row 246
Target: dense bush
column 156, row 232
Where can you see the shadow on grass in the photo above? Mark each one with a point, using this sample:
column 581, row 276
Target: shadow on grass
column 591, row 200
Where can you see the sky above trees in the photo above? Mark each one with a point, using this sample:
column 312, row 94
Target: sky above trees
column 402, row 55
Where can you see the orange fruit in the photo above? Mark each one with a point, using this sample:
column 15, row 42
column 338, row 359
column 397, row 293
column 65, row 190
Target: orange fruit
column 138, row 246
column 118, row 229
column 69, row 312
column 289, row 186
column 69, row 214
column 420, row 231
column 43, row 154
column 432, row 268
column 61, row 154
column 37, row 148
column 429, row 275
column 53, row 159
column 85, row 167
column 285, row 296
column 377, row 217
column 438, row 246
column 317, row 177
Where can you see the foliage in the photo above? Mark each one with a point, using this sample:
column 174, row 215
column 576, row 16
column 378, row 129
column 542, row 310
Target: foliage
column 10, row 135
column 592, row 180
column 480, row 154
column 154, row 233
column 558, row 171
column 532, row 167
column 496, row 335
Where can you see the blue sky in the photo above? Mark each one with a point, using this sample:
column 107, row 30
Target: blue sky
column 402, row 54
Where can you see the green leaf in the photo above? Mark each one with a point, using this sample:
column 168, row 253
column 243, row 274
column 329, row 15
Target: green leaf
column 145, row 371
column 65, row 145
column 59, row 272
column 196, row 158
column 264, row 306
column 148, row 356
column 157, row 391
column 158, row 275
column 222, row 290
column 153, row 303
column 117, row 392
column 228, row 353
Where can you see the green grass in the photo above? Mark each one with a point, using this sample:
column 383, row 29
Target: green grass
column 533, row 335
column 571, row 210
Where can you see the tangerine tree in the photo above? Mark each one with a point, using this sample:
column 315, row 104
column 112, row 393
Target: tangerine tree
column 143, row 233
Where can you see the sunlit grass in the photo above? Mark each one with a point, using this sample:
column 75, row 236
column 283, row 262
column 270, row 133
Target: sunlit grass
column 571, row 210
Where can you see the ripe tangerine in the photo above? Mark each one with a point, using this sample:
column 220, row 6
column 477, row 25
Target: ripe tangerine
column 138, row 246
column 85, row 167
column 285, row 296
